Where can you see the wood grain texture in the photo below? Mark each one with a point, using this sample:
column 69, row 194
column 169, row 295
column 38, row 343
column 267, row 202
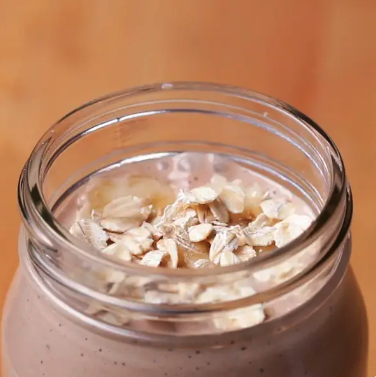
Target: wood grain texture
column 318, row 55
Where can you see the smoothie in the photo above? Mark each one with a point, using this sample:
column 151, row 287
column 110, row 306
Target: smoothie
column 320, row 331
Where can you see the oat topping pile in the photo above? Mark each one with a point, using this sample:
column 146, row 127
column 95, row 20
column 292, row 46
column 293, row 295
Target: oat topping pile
column 139, row 219
column 218, row 224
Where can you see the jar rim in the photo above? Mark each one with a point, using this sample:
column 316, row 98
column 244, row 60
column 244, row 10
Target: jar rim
column 31, row 182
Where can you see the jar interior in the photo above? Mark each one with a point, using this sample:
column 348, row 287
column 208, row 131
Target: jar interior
column 173, row 135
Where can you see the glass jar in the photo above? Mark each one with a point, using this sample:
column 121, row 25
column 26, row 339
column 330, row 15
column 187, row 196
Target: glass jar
column 321, row 326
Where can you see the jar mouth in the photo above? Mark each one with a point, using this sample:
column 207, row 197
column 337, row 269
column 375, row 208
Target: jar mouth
column 39, row 220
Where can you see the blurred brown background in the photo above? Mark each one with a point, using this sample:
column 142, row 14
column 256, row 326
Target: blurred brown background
column 318, row 55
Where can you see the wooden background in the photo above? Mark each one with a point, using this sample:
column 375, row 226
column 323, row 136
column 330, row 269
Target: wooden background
column 318, row 55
